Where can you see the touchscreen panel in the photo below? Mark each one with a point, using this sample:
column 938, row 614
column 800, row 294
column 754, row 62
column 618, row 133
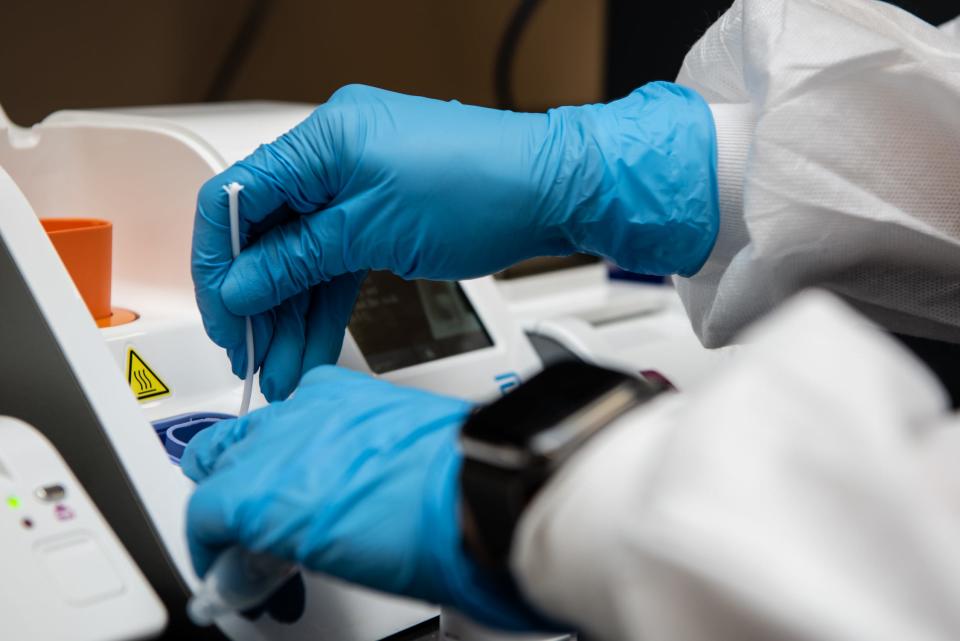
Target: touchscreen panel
column 399, row 323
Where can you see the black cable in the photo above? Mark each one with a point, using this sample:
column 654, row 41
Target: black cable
column 238, row 51
column 503, row 71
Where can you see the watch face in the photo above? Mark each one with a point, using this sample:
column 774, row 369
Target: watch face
column 542, row 402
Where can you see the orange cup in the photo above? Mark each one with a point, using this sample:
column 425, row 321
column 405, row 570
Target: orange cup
column 85, row 246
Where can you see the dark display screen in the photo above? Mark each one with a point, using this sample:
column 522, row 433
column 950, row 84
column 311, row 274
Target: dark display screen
column 398, row 323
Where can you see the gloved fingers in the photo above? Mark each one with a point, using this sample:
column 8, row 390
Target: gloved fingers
column 332, row 376
column 366, row 391
column 331, row 305
column 212, row 519
column 285, row 261
column 300, row 169
column 200, row 457
column 263, row 331
column 308, row 331
column 279, row 177
column 281, row 366
column 290, row 173
column 263, row 324
column 210, row 261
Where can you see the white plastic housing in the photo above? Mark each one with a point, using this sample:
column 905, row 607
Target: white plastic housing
column 66, row 575
column 625, row 325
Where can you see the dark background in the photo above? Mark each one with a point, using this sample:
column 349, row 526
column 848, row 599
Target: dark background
column 647, row 40
column 60, row 54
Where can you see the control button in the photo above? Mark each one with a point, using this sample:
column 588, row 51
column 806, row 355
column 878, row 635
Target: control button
column 79, row 569
column 63, row 513
column 658, row 380
column 50, row 493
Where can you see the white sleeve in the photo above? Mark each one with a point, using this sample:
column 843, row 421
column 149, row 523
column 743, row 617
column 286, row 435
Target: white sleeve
column 952, row 28
column 838, row 125
column 810, row 492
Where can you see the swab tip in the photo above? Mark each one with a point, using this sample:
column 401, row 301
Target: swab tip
column 233, row 187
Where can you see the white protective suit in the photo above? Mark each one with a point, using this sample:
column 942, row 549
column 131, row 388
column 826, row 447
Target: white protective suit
column 838, row 123
column 812, row 490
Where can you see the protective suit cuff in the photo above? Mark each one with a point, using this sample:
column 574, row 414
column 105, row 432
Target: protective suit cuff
column 735, row 124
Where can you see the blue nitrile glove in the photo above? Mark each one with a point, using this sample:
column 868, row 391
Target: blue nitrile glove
column 353, row 477
column 440, row 190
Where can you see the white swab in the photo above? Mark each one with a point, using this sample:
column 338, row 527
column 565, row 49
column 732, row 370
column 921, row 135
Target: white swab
column 239, row 579
column 233, row 191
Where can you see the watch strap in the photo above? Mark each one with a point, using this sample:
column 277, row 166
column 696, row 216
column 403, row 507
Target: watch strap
column 512, row 446
column 497, row 498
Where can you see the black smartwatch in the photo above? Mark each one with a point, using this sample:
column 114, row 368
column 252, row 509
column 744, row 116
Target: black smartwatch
column 512, row 446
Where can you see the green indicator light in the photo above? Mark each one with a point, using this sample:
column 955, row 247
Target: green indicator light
column 13, row 502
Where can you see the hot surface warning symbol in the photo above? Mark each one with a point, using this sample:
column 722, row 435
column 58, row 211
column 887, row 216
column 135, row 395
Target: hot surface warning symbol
column 143, row 381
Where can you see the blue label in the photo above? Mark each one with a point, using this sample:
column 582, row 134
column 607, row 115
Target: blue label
column 507, row 381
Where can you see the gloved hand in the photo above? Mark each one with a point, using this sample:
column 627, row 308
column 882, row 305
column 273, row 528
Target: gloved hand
column 440, row 190
column 353, row 477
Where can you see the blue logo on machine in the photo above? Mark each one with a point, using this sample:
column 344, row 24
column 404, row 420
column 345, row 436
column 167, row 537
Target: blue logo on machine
column 507, row 381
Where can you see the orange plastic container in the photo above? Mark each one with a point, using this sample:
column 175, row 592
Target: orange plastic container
column 85, row 246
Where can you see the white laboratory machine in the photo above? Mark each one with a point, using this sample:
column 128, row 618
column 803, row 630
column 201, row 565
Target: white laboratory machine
column 94, row 392
column 574, row 309
column 73, row 578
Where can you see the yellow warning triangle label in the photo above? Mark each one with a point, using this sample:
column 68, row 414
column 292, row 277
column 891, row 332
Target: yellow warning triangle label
column 143, row 381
